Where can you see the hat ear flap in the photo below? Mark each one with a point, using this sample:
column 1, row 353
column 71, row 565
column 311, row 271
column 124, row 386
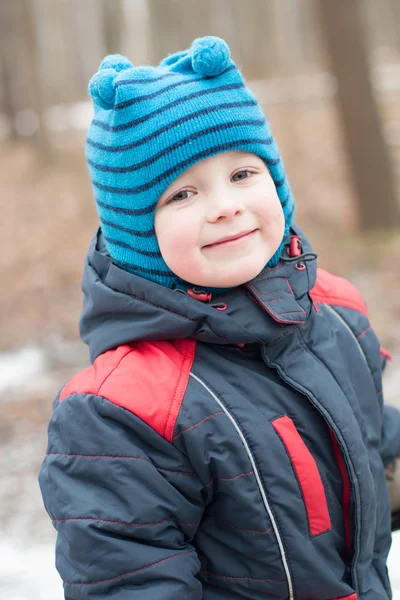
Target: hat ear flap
column 102, row 84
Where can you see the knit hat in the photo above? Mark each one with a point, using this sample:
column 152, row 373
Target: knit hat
column 153, row 123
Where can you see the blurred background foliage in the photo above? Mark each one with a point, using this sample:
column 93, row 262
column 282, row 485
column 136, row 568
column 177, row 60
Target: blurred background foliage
column 326, row 73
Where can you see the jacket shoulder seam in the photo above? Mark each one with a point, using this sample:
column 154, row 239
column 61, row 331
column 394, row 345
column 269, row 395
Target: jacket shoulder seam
column 112, row 372
column 156, row 402
column 337, row 291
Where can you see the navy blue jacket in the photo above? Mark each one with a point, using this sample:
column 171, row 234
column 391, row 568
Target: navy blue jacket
column 222, row 448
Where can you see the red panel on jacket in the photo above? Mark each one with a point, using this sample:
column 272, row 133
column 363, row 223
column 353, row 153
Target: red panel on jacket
column 331, row 289
column 307, row 474
column 147, row 378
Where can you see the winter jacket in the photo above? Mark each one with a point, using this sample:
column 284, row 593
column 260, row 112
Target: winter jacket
column 223, row 448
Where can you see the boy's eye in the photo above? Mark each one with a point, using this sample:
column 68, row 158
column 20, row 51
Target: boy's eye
column 180, row 196
column 241, row 175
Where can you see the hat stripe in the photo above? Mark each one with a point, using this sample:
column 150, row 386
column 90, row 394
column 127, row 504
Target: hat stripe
column 178, row 144
column 289, row 216
column 129, row 247
column 285, row 201
column 172, row 86
column 145, row 163
column 127, row 211
column 182, row 165
column 139, row 81
column 166, row 107
column 146, row 233
column 164, row 76
column 180, row 121
column 132, row 267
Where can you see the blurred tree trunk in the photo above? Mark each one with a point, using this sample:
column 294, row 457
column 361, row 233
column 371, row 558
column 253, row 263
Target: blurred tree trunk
column 342, row 26
column 174, row 24
column 30, row 54
column 396, row 21
column 247, row 27
column 113, row 23
column 163, row 29
column 312, row 48
column 256, row 37
column 7, row 23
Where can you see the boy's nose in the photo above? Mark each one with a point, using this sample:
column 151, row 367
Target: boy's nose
column 225, row 208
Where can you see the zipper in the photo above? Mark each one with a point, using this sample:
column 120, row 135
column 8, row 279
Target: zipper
column 259, row 483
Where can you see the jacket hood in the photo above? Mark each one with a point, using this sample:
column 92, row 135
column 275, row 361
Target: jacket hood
column 122, row 308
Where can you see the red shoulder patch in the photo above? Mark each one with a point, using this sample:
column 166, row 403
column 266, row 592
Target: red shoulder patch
column 336, row 291
column 147, row 378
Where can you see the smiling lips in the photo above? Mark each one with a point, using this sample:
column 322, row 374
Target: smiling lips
column 230, row 239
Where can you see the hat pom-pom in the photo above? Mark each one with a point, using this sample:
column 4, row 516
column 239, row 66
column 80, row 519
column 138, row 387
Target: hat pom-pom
column 102, row 84
column 102, row 88
column 210, row 56
column 116, row 62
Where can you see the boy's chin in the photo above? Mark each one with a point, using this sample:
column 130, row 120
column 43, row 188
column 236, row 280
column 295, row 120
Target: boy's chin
column 228, row 279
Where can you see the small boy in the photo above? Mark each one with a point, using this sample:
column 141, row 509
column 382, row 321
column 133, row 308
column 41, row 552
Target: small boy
column 229, row 440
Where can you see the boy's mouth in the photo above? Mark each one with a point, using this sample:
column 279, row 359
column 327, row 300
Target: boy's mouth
column 230, row 238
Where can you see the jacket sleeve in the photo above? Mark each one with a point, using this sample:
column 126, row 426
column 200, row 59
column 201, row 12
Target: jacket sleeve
column 125, row 503
column 389, row 447
column 390, row 453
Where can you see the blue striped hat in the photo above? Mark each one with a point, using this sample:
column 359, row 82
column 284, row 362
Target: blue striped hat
column 153, row 123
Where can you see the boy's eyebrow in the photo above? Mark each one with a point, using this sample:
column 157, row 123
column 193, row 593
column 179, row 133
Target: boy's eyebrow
column 238, row 158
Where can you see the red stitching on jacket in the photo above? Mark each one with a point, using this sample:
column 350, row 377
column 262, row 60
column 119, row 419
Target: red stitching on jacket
column 221, row 412
column 126, row 457
column 114, row 369
column 239, row 528
column 129, row 573
column 255, row 284
column 236, row 476
column 122, row 522
column 239, row 578
column 214, row 477
column 277, row 315
column 255, row 290
column 112, row 377
column 99, row 456
column 177, row 398
column 362, row 333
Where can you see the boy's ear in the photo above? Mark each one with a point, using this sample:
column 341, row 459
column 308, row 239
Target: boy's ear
column 102, row 84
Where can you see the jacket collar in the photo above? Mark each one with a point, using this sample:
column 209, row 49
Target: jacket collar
column 120, row 307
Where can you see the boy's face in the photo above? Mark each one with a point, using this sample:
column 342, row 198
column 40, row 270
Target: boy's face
column 229, row 195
